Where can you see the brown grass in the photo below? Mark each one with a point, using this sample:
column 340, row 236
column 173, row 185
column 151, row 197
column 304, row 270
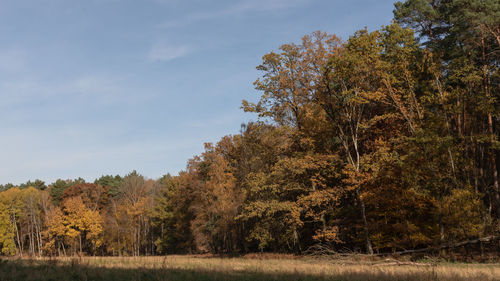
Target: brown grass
column 244, row 268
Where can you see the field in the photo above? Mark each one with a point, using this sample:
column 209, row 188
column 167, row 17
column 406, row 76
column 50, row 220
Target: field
column 188, row 268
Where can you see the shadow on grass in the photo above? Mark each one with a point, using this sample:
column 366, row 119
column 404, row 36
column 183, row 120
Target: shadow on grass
column 30, row 270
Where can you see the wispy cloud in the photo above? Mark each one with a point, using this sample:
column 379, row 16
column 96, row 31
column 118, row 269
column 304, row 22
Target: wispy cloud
column 241, row 7
column 163, row 52
column 95, row 89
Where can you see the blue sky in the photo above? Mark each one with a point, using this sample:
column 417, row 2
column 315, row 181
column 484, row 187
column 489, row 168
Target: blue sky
column 108, row 86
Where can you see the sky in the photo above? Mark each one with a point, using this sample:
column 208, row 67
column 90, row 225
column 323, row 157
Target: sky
column 97, row 87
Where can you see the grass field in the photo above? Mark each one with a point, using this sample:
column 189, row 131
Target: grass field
column 189, row 268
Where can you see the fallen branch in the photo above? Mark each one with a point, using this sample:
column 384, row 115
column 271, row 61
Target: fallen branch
column 403, row 263
column 320, row 250
column 446, row 246
column 391, row 262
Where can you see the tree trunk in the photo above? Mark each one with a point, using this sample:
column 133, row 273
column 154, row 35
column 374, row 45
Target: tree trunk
column 491, row 130
column 496, row 186
column 368, row 243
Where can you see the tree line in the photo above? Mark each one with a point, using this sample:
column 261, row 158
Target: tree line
column 382, row 142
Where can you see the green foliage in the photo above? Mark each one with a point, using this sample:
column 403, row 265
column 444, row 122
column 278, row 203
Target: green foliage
column 163, row 216
column 112, row 182
column 38, row 184
column 4, row 187
column 56, row 190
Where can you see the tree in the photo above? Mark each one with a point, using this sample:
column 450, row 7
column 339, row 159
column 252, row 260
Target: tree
column 464, row 45
column 56, row 190
column 76, row 226
column 7, row 243
column 111, row 183
column 38, row 184
column 129, row 218
column 217, row 201
column 163, row 216
column 95, row 197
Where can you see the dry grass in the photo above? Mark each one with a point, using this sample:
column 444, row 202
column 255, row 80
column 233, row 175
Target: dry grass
column 212, row 268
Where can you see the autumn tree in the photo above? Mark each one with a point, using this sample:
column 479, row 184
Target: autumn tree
column 95, row 197
column 7, row 243
column 129, row 220
column 76, row 226
column 218, row 200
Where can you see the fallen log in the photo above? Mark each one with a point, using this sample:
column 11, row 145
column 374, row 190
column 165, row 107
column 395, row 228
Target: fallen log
column 445, row 246
column 323, row 250
column 400, row 263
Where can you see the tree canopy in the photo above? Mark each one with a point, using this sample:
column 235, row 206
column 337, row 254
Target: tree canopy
column 383, row 142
